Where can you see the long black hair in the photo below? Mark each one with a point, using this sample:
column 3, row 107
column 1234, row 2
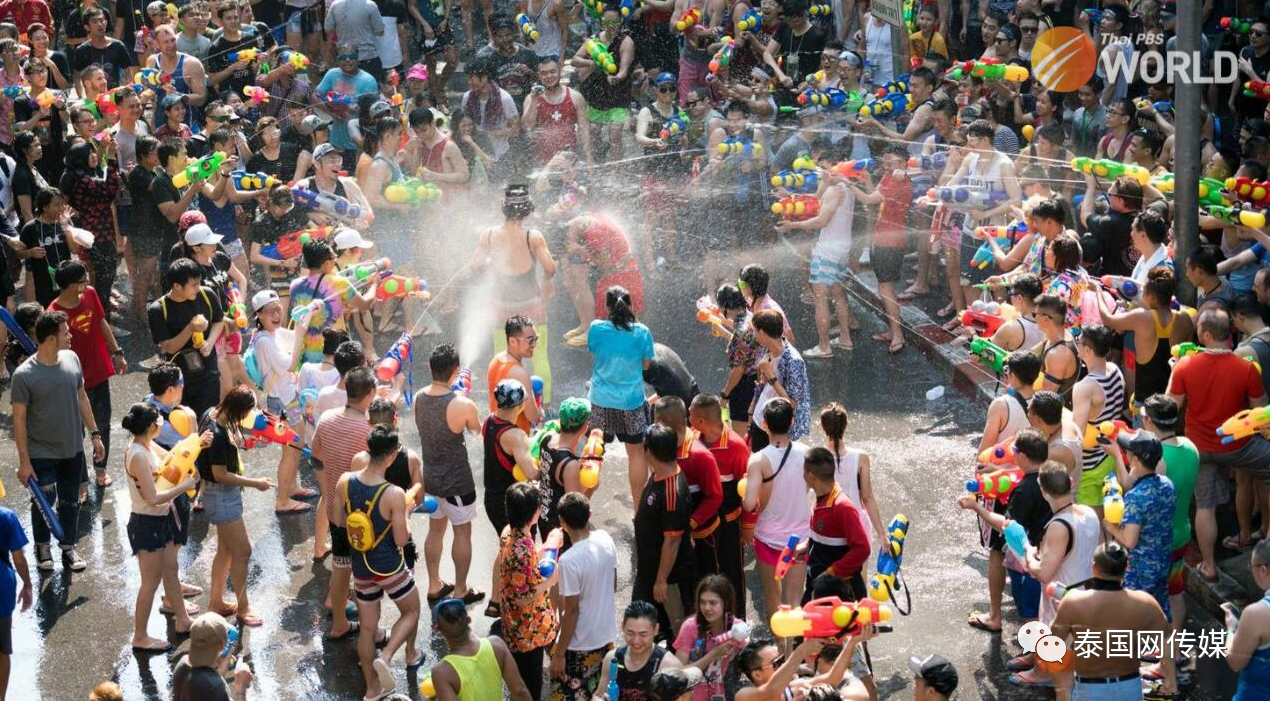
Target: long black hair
column 77, row 166
column 618, row 302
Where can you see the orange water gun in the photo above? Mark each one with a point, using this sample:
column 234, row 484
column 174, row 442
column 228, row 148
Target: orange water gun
column 688, row 19
column 797, row 207
column 829, row 617
column 592, row 458
column 998, row 484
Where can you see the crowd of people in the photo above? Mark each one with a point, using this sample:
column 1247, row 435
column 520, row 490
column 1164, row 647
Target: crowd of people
column 268, row 186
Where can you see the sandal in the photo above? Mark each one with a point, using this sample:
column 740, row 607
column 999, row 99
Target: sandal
column 306, row 494
column 443, row 592
column 228, row 610
column 493, row 610
column 474, row 595
column 188, row 590
column 416, row 664
column 1234, row 543
column 882, row 337
column 251, row 620
column 1031, row 679
column 103, row 482
column 354, row 628
column 946, row 311
column 191, row 609
column 976, row 621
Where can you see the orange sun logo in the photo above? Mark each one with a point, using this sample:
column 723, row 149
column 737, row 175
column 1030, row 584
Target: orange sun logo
column 1063, row 58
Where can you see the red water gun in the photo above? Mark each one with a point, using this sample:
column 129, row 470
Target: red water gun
column 1259, row 89
column 292, row 244
column 688, row 19
column 986, row 317
column 829, row 617
column 395, row 359
column 266, row 427
column 1002, row 453
column 1254, row 191
column 797, row 207
column 998, row 484
column 397, row 286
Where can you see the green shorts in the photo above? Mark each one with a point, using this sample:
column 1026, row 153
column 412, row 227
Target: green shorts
column 612, row 115
column 1090, row 491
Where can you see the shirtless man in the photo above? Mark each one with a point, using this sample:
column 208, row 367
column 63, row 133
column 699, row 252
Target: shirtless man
column 1097, row 397
column 1106, row 606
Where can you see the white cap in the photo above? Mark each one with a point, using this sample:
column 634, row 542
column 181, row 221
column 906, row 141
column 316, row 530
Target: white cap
column 261, row 299
column 350, row 238
column 200, row 234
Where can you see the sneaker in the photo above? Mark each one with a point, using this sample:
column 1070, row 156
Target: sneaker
column 73, row 561
column 44, row 557
column 815, row 353
column 120, row 332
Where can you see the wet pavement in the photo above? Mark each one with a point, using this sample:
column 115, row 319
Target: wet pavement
column 78, row 632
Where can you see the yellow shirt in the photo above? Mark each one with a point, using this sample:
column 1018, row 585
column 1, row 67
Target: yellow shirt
column 917, row 42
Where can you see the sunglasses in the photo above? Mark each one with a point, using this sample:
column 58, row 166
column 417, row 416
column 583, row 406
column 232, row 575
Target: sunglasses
column 1256, row 33
column 1028, row 30
column 692, row 103
column 665, row 88
column 219, row 118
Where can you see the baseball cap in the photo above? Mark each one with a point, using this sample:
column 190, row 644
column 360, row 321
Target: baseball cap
column 509, row 393
column 350, row 238
column 379, row 109
column 312, row 123
column 189, row 219
column 208, row 634
column 417, row 72
column 936, row 671
column 169, row 100
column 574, row 412
column 501, row 21
column 665, row 77
column 670, row 684
column 323, row 150
column 200, row 234
column 262, row 298
column 1142, row 445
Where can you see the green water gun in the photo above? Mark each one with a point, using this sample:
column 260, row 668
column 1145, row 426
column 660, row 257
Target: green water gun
column 989, row 353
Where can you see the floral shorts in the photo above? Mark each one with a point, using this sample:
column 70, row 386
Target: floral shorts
column 581, row 674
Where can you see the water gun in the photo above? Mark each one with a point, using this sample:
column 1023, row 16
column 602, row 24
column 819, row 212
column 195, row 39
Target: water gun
column 595, row 8
column 797, row 207
column 786, row 559
column 256, row 94
column 199, row 170
column 820, row 10
column 1003, row 71
column 105, row 104
column 300, row 311
column 528, row 29
column 273, row 429
column 988, row 353
column 429, row 690
column 1234, row 25
column 900, row 85
column 708, row 313
column 197, row 339
column 828, row 98
column 723, row 56
column 1015, row 538
column 1164, row 183
column 153, row 77
column 179, row 463
column 893, row 104
column 46, row 99
column 965, row 197
column 739, row 145
column 797, row 180
column 237, row 310
column 550, row 552
column 1005, row 237
column 298, row 60
column 628, row 7
column 246, row 55
column 1112, row 499
column 935, row 161
column 1093, row 13
column 828, row 617
column 1182, row 350
column 674, row 126
column 412, row 191
column 986, row 317
column 46, row 509
column 1108, row 169
column 1210, row 192
column 292, row 243
column 397, row 286
column 855, row 169
column 328, row 204
column 600, row 54
column 1254, row 191
column 751, row 21
column 688, row 19
column 428, row 504
column 890, row 556
column 592, row 458
column 614, row 691
column 1259, row 89
column 998, row 484
column 1003, row 453
column 1244, row 424
column 248, row 182
column 463, row 383
column 1161, row 106
column 334, row 98
column 1237, row 215
column 13, row 92
column 537, row 384
column 1126, row 287
column 397, row 357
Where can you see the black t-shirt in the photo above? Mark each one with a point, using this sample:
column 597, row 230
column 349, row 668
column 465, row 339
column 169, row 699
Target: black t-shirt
column 669, row 376
column 1111, row 230
column 282, row 168
column 74, row 25
column 291, row 135
column 268, row 13
column 56, row 250
column 129, row 11
column 1249, row 107
column 148, row 222
column 115, row 58
column 1029, row 508
column 197, row 683
column 52, row 133
column 808, row 46
column 178, row 315
column 218, row 60
column 163, row 190
column 222, row 451
column 664, row 509
column 23, row 183
column 513, row 73
column 215, row 276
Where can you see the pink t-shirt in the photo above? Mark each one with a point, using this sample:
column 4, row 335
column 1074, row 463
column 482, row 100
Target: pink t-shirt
column 712, row 687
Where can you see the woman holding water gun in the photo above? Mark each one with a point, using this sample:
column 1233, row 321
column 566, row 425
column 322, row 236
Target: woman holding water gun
column 709, row 639
column 151, row 524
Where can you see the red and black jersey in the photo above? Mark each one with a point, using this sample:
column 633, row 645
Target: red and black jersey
column 663, row 510
column 704, row 485
column 732, row 455
column 838, row 541
column 498, row 462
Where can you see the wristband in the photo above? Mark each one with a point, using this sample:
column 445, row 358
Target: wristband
column 95, row 433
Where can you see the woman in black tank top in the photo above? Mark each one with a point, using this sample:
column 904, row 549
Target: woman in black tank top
column 551, row 484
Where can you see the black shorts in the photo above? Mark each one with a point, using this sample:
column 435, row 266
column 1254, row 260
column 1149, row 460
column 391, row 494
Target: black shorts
column 149, row 533
column 309, row 18
column 181, row 532
column 741, row 396
column 441, row 41
column 887, row 263
column 496, row 510
column 341, row 551
column 6, row 635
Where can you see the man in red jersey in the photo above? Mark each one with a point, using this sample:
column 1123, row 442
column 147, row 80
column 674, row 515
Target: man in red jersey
column 732, row 456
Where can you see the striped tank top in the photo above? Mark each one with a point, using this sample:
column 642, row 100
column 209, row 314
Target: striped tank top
column 1112, row 384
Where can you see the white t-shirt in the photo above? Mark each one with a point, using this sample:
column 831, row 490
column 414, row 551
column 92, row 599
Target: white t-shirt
column 588, row 570
column 331, row 397
column 314, row 376
column 275, row 367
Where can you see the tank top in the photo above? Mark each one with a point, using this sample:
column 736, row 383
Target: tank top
column 519, row 289
column 139, row 505
column 1254, row 680
column 385, row 558
column 1153, row 376
column 1015, row 417
column 220, row 218
column 1066, row 384
column 498, row 462
column 1032, row 335
column 1072, row 444
column 788, row 511
column 480, row 677
column 1105, row 143
column 1112, row 385
column 598, row 91
column 310, row 183
column 847, row 475
column 499, row 369
column 557, row 126
column 550, row 485
column 633, row 686
column 193, row 114
column 878, row 43
column 658, row 162
column 988, row 181
column 393, row 168
column 1261, row 349
column 549, row 40
column 398, row 472
column 446, row 471
column 834, row 242
column 1077, row 565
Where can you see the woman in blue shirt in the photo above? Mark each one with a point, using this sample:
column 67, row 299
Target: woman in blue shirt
column 623, row 349
column 1248, row 648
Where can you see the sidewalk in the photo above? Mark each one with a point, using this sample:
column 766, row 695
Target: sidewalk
column 923, row 331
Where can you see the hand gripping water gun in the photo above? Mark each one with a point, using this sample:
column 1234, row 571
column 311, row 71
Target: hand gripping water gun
column 1110, row 170
column 829, row 98
column 1015, row 538
column 1244, row 424
column 1259, row 89
column 1236, row 215
column 249, row 182
column 397, row 286
column 989, row 353
column 1005, row 236
column 739, row 146
column 1112, row 499
column 412, row 191
column 334, row 98
column 550, row 552
column 673, row 127
column 600, row 54
column 797, row 208
column 199, row 170
column 592, row 458
column 427, row 505
column 893, row 104
column 1161, row 106
column 828, row 617
column 1126, row 287
column 463, row 383
column 1182, row 350
column 537, row 442
column 256, row 94
column 786, row 559
column 399, row 356
column 1210, row 192
column 537, row 384
column 298, row 60
column 797, row 180
column 46, row 509
column 998, row 484
column 890, row 555
column 237, row 310
column 986, row 317
column 1003, row 453
column 820, row 10
column 751, row 21
column 273, row 429
column 243, row 55
column 328, row 204
column 292, row 243
column 1093, row 13
column 689, row 18
column 965, row 197
column 153, row 77
column 935, row 161
column 855, row 169
column 628, row 7
column 179, row 465
column 708, row 313
column 1234, row 25
column 1254, row 191
column 528, row 29
column 723, row 56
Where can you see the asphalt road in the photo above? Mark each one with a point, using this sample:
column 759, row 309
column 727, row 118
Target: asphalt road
column 79, row 630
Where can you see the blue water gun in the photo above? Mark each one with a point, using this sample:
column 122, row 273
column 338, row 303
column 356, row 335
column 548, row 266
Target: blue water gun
column 966, row 198
column 983, row 256
column 673, row 127
column 751, row 21
column 614, row 691
column 799, row 180
column 739, row 146
column 889, row 105
column 328, row 204
column 1016, row 538
column 883, row 585
column 935, row 161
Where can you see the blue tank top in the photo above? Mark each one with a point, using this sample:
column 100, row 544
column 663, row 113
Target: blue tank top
column 220, row 219
column 1254, row 680
column 193, row 115
column 385, row 558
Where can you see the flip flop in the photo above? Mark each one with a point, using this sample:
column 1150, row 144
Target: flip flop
column 1030, row 680
column 384, row 672
column 191, row 609
column 301, row 509
column 188, row 590
column 251, row 620
column 1234, row 543
column 976, row 621
column 228, row 610
column 445, row 590
column 1022, row 663
column 152, row 650
column 353, row 628
column 474, row 595
column 418, row 662
column 317, row 559
column 881, row 337
column 306, row 494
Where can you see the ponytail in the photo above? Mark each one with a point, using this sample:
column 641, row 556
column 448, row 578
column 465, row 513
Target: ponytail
column 833, row 420
column 618, row 301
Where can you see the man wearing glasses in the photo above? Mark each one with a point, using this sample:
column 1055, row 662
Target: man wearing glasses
column 522, row 340
column 1254, row 64
column 1029, row 27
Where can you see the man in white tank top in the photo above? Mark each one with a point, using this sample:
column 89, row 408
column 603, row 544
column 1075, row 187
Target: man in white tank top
column 774, row 484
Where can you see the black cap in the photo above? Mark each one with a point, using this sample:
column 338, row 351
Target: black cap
column 1142, row 445
column 938, row 673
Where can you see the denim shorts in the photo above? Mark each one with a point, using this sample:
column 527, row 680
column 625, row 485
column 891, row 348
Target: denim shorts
column 1126, row 690
column 1026, row 591
column 147, row 533
column 223, row 503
